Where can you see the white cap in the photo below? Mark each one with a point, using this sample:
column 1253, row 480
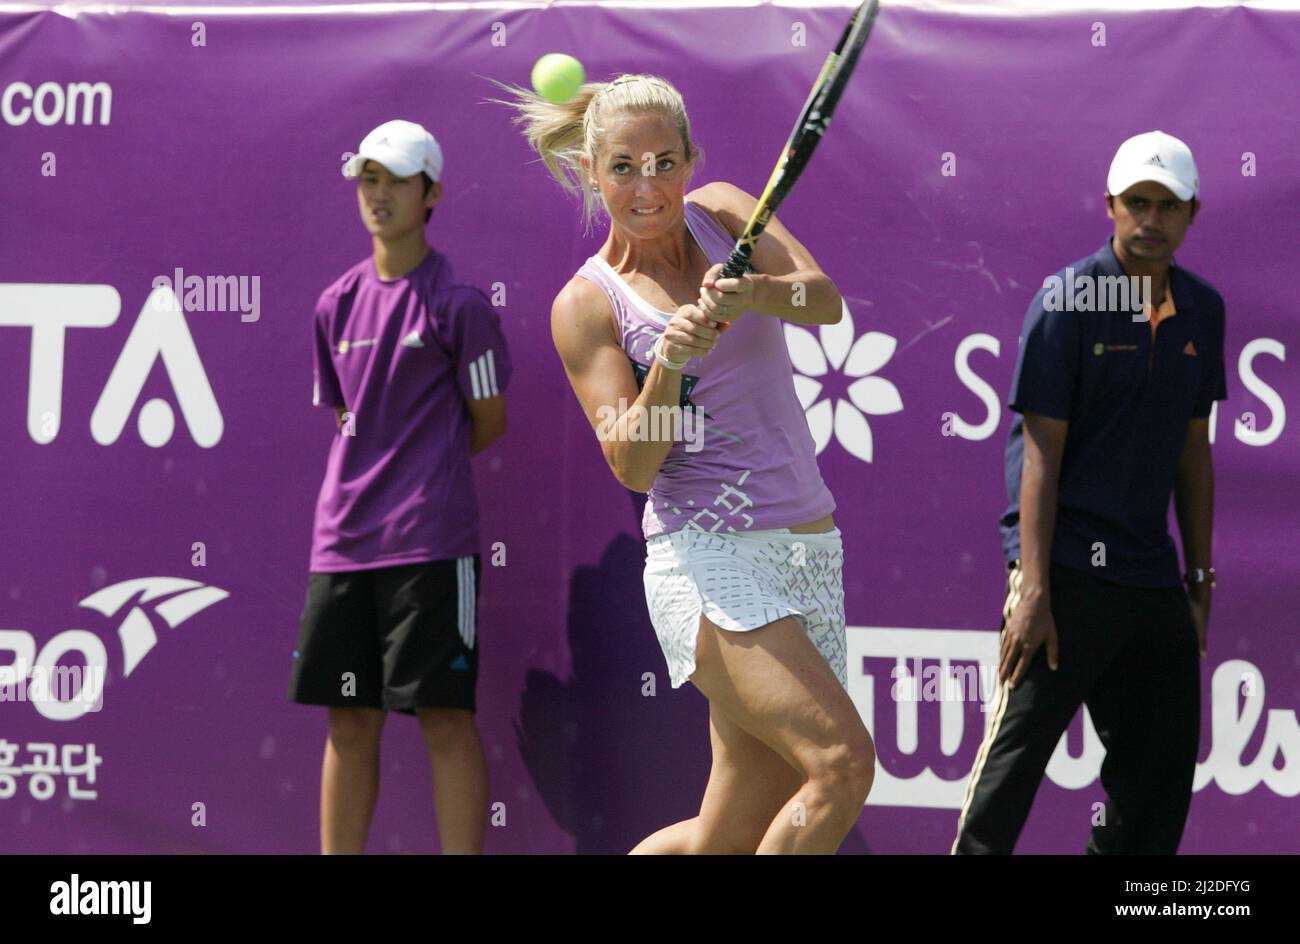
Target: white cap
column 1154, row 156
column 403, row 147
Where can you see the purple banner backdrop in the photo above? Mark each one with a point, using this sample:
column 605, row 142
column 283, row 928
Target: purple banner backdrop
column 160, row 468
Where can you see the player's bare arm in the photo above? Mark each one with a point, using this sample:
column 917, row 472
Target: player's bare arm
column 1031, row 623
column 786, row 283
column 487, row 419
column 1194, row 507
column 602, row 379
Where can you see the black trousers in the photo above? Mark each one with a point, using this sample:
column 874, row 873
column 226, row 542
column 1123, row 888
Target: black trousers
column 1131, row 655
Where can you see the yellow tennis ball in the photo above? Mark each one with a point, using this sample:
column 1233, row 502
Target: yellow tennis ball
column 557, row 77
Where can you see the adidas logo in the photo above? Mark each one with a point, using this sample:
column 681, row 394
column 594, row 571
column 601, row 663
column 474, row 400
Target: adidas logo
column 1190, row 349
column 1156, row 161
column 412, row 340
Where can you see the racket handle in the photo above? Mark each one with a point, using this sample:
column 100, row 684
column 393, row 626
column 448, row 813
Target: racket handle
column 737, row 264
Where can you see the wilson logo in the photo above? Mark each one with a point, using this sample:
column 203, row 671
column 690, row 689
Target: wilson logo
column 925, row 696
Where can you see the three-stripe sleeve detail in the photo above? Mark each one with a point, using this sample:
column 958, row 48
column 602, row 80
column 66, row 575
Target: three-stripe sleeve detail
column 483, row 377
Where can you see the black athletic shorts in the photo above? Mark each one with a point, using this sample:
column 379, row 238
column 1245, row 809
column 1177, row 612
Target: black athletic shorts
column 396, row 638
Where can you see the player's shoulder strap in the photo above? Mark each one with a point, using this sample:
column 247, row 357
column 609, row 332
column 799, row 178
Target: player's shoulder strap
column 712, row 236
column 592, row 271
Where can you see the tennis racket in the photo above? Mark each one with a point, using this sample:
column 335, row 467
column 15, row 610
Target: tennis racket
column 808, row 130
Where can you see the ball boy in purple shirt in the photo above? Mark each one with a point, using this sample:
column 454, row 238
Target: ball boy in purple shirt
column 413, row 362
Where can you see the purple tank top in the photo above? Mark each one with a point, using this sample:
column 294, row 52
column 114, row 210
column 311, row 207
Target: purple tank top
column 746, row 459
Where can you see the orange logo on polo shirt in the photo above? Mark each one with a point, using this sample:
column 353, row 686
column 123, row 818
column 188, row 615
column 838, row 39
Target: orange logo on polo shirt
column 1190, row 349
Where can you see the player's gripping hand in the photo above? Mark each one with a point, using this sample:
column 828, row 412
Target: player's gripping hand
column 1031, row 625
column 690, row 333
column 723, row 300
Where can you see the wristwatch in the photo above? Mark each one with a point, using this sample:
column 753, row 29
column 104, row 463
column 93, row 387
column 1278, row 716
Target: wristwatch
column 1199, row 575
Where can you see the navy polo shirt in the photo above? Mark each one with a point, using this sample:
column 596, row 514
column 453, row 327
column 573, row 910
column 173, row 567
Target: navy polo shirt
column 1128, row 399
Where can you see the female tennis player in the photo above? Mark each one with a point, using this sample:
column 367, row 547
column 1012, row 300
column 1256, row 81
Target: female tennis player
column 743, row 573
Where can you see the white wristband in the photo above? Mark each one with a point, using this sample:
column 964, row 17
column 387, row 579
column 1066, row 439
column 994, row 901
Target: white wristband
column 663, row 358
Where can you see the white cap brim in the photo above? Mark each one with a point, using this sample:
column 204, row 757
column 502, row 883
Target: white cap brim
column 1118, row 183
column 397, row 163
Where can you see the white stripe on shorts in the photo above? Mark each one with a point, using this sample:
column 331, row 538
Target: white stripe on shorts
column 465, row 600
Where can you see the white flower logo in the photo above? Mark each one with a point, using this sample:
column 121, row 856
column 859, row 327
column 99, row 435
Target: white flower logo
column 858, row 359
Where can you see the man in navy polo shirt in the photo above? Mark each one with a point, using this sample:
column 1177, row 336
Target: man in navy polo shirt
column 1121, row 360
column 413, row 362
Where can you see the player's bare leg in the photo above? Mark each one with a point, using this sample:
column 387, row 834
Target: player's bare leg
column 748, row 785
column 459, row 778
column 773, row 683
column 349, row 779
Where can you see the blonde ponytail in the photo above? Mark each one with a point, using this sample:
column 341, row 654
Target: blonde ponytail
column 562, row 134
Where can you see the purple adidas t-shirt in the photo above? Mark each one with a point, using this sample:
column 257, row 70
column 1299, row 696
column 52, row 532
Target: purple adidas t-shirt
column 402, row 358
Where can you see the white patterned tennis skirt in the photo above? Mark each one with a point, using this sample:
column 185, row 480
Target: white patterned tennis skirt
column 742, row 581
